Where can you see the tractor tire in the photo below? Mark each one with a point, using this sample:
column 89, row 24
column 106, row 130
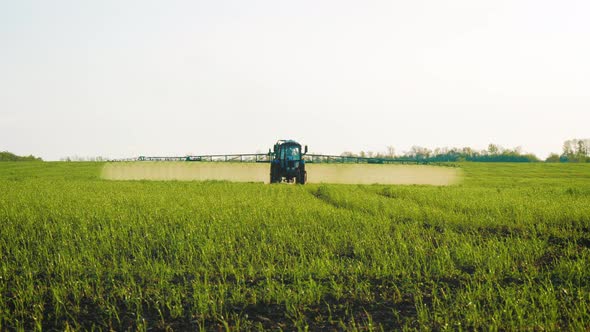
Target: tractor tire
column 274, row 174
column 301, row 177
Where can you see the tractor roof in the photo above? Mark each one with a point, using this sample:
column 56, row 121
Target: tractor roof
column 287, row 141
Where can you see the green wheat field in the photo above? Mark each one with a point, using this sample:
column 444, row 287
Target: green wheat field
column 506, row 249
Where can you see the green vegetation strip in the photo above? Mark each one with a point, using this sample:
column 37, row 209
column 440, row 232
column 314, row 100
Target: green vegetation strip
column 506, row 249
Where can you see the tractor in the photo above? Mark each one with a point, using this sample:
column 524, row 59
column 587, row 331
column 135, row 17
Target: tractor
column 286, row 161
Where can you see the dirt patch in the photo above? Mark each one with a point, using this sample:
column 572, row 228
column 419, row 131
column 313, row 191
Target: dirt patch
column 252, row 172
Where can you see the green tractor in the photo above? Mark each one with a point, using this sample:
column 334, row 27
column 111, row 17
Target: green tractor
column 286, row 161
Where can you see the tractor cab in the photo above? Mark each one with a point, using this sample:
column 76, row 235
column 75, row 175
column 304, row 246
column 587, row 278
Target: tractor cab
column 287, row 162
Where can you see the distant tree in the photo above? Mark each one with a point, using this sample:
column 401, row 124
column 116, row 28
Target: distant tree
column 582, row 150
column 9, row 156
column 419, row 152
column 494, row 149
column 390, row 152
column 347, row 154
column 437, row 151
column 468, row 152
column 568, row 149
column 576, row 150
column 553, row 158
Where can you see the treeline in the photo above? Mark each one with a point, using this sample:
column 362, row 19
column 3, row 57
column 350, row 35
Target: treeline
column 79, row 158
column 574, row 151
column 494, row 153
column 9, row 156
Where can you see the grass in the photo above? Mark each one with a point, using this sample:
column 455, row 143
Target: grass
column 507, row 249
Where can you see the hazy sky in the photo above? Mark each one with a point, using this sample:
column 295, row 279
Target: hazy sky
column 128, row 78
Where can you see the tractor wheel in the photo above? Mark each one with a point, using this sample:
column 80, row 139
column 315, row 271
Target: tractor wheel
column 274, row 174
column 301, row 177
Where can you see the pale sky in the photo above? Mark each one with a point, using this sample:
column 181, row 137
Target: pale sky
column 126, row 78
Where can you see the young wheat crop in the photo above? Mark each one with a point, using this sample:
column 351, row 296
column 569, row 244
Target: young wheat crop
column 506, row 249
